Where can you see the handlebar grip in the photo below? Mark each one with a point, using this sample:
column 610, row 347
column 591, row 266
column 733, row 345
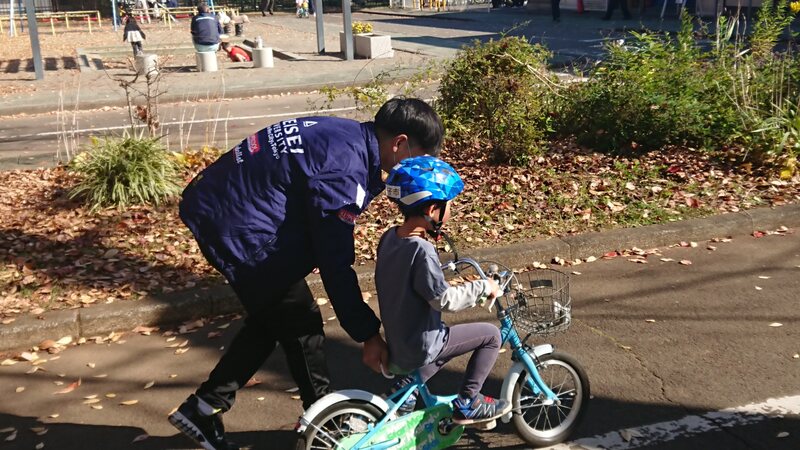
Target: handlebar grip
column 388, row 375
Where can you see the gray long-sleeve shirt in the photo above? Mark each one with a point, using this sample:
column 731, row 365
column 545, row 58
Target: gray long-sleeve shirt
column 412, row 294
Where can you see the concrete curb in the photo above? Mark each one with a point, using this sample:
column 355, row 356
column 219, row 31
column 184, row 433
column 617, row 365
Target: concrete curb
column 169, row 310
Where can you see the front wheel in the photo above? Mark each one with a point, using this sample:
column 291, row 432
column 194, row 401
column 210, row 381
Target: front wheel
column 337, row 422
column 541, row 423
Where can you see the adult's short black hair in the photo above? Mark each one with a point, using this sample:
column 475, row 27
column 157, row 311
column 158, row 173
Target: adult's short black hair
column 203, row 8
column 414, row 118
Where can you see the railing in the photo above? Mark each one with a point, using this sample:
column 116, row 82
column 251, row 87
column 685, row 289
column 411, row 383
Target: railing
column 55, row 17
column 167, row 15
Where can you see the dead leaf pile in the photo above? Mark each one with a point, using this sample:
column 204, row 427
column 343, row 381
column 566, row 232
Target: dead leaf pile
column 55, row 254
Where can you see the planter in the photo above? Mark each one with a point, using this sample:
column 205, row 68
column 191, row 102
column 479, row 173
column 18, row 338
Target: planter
column 369, row 45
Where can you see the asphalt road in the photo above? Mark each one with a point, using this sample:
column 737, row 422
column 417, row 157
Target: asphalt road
column 666, row 347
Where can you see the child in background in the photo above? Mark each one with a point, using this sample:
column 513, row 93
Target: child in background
column 133, row 35
column 413, row 293
column 302, row 8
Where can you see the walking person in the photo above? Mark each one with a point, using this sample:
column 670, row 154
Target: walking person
column 265, row 214
column 612, row 5
column 555, row 6
column 267, row 6
column 133, row 34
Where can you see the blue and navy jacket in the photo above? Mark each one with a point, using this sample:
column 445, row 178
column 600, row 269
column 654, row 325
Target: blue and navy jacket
column 285, row 200
column 206, row 29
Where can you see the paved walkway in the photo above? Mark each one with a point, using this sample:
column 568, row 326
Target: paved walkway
column 419, row 39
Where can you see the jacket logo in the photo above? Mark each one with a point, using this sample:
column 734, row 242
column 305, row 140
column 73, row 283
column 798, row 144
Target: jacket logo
column 347, row 216
column 253, row 145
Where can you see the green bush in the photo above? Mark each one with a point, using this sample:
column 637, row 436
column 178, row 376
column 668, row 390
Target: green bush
column 495, row 95
column 647, row 94
column 124, row 171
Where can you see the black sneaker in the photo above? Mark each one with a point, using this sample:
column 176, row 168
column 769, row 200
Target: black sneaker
column 479, row 409
column 208, row 431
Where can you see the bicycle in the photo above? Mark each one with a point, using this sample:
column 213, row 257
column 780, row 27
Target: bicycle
column 543, row 412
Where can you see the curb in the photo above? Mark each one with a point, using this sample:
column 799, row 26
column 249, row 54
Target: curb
column 218, row 300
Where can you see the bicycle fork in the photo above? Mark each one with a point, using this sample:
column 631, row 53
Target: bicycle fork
column 535, row 382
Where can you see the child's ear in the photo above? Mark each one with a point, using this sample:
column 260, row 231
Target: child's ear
column 431, row 209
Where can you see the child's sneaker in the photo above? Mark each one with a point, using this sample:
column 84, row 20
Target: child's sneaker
column 410, row 404
column 479, row 409
column 205, row 429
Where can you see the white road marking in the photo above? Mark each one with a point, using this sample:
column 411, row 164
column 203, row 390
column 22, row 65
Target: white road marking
column 186, row 122
column 688, row 426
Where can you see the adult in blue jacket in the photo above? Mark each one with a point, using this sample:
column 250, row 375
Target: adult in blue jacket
column 205, row 30
column 265, row 214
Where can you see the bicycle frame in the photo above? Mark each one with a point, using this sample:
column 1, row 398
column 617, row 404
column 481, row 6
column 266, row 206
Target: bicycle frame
column 508, row 335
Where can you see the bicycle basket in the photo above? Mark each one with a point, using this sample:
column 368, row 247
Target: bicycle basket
column 541, row 303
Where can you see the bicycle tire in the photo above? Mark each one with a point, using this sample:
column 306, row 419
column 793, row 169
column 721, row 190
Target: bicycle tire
column 332, row 420
column 576, row 398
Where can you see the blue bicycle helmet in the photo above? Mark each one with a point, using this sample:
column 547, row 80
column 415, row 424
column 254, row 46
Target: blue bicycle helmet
column 414, row 181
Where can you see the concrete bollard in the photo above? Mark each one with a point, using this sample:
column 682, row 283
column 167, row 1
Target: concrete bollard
column 146, row 64
column 206, row 61
column 262, row 57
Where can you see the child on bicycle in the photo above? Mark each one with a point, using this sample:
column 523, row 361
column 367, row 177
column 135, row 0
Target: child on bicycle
column 413, row 293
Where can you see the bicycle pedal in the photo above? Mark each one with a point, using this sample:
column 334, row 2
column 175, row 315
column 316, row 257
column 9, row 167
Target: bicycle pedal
column 485, row 426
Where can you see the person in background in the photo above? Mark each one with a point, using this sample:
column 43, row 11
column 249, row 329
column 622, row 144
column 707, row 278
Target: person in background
column 267, row 5
column 133, row 35
column 612, row 5
column 235, row 53
column 206, row 30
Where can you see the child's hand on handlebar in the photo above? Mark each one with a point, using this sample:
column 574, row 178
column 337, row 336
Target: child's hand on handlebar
column 490, row 294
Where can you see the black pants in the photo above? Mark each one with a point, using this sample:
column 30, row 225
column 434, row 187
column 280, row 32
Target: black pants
column 555, row 6
column 267, row 5
column 291, row 319
column 612, row 5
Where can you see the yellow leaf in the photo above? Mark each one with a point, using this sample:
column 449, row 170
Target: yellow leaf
column 129, row 402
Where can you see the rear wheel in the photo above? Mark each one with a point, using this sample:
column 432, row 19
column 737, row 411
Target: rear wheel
column 541, row 423
column 337, row 422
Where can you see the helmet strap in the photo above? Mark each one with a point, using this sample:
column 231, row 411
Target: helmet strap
column 436, row 226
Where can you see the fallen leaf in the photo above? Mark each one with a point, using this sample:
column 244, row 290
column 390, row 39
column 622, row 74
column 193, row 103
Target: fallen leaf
column 91, row 401
column 89, row 397
column 39, row 446
column 171, row 338
column 366, row 296
column 173, row 375
column 39, row 431
column 66, row 340
column 693, row 244
column 782, row 434
column 140, row 438
column 29, row 356
column 34, row 369
column 711, row 247
column 54, row 416
column 8, row 430
column 180, row 351
column 758, row 288
column 20, row 389
column 295, row 397
column 322, row 301
column 8, row 321
column 796, row 356
column 252, row 382
column 69, row 388
column 214, row 334
column 102, row 375
column 629, row 434
column 576, row 273
column 776, row 324
column 149, row 385
column 758, row 234
column 626, row 347
column 90, row 365
column 11, row 436
column 129, row 402
column 591, row 259
column 97, row 406
column 8, row 362
column 764, row 277
column 261, row 399
column 685, row 262
column 667, row 259
column 111, row 395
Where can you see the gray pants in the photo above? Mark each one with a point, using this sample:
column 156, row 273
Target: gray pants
column 483, row 340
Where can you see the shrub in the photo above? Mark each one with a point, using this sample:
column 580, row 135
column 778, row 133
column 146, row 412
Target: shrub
column 648, row 94
column 362, row 27
column 495, row 95
column 124, row 171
